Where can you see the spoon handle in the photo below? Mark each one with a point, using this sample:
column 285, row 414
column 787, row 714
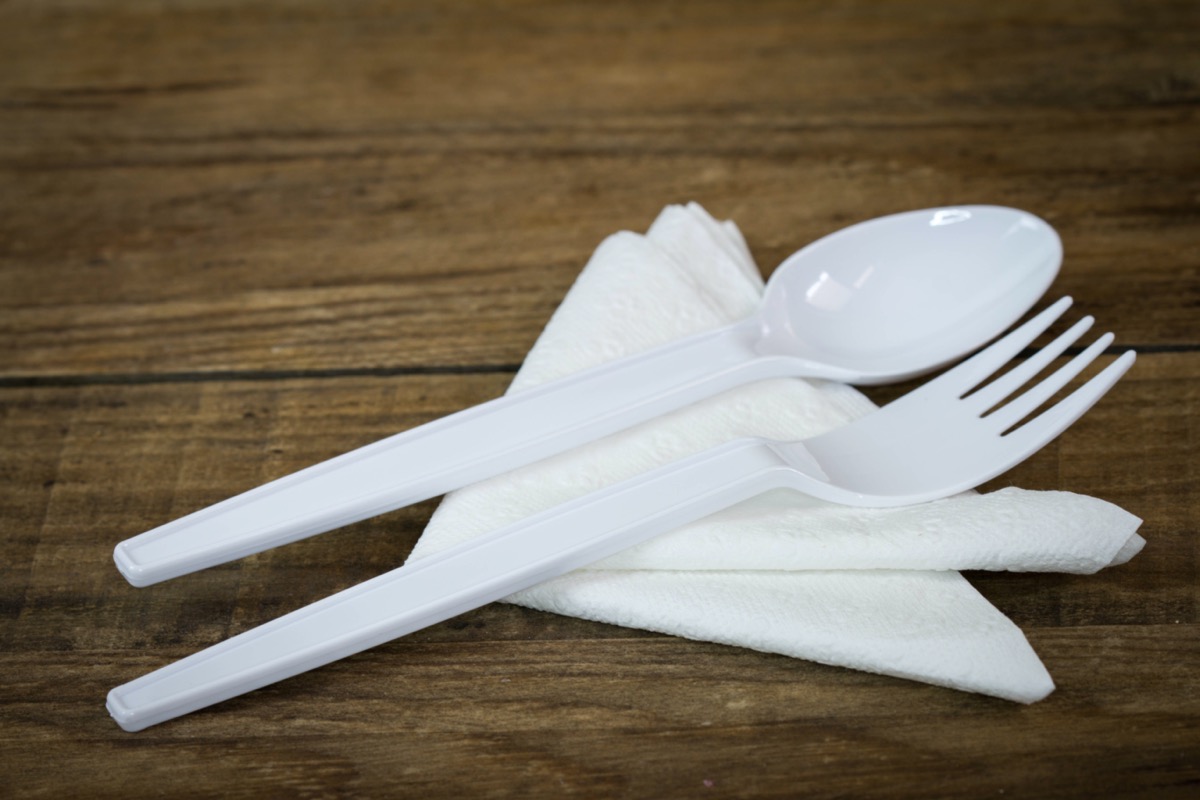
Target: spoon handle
column 453, row 581
column 452, row 452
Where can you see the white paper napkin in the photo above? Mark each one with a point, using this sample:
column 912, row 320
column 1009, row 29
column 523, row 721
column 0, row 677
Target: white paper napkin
column 870, row 589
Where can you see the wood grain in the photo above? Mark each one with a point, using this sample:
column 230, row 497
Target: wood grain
column 236, row 239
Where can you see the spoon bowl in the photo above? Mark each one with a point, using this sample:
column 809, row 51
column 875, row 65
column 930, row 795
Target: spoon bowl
column 895, row 297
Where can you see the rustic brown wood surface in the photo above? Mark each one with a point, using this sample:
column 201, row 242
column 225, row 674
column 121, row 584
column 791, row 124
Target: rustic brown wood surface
column 238, row 238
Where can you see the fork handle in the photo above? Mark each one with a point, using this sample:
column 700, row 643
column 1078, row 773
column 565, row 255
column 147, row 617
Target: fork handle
column 452, row 452
column 453, row 581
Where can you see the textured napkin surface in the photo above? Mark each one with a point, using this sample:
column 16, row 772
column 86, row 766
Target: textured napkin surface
column 785, row 573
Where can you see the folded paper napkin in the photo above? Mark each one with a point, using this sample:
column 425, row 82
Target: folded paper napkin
column 871, row 589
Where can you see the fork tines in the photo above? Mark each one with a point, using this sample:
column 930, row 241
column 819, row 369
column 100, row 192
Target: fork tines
column 988, row 399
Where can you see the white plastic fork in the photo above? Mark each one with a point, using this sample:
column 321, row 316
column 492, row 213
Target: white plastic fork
column 945, row 437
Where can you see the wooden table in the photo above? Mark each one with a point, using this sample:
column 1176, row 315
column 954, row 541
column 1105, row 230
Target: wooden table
column 238, row 238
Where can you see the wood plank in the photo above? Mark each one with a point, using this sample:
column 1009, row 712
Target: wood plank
column 408, row 295
column 381, row 199
column 130, row 457
column 491, row 717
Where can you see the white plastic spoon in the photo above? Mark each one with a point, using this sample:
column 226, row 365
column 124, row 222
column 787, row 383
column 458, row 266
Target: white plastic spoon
column 880, row 301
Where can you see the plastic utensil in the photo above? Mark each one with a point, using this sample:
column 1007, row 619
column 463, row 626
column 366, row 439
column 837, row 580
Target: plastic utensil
column 940, row 439
column 879, row 301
